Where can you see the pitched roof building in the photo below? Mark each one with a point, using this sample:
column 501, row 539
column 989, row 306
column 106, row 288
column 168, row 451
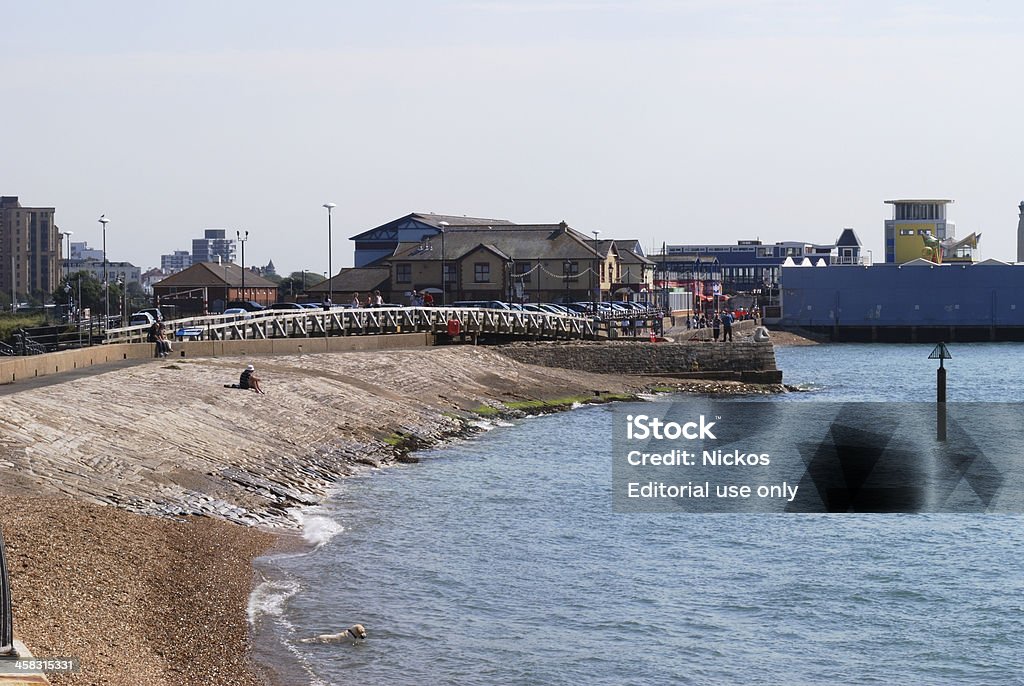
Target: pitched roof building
column 208, row 287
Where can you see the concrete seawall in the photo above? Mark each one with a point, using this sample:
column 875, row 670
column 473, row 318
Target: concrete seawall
column 741, row 360
column 14, row 369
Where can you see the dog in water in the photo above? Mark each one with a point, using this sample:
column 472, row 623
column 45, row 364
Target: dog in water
column 352, row 635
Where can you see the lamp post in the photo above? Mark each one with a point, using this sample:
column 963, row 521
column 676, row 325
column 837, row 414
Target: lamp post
column 330, row 266
column 242, row 238
column 67, row 263
column 122, row 305
column 566, row 265
column 594, row 292
column 106, row 286
column 67, row 296
column 442, row 227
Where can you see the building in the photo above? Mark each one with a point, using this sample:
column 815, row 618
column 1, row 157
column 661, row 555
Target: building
column 214, row 243
column 347, row 282
column 207, row 287
column 116, row 271
column 82, row 251
column 382, row 241
column 920, row 229
column 176, row 261
column 518, row 263
column 916, row 301
column 30, row 250
column 743, row 266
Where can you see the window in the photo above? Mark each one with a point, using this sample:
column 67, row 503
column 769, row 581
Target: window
column 523, row 272
column 449, row 273
column 481, row 272
column 403, row 273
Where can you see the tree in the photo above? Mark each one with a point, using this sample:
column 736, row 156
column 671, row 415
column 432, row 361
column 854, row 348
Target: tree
column 91, row 291
column 296, row 283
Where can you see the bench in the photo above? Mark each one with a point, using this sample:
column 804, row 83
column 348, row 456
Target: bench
column 192, row 333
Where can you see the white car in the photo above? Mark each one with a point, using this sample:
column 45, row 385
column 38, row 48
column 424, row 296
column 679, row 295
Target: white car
column 141, row 319
column 238, row 312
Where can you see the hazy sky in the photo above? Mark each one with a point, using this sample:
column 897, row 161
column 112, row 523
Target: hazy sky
column 694, row 120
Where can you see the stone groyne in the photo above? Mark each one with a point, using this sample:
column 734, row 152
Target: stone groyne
column 741, row 360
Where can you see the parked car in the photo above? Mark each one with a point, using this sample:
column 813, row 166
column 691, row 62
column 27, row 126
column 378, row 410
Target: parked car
column 312, row 306
column 141, row 319
column 485, row 304
column 238, row 312
column 247, row 305
column 154, row 312
column 287, row 307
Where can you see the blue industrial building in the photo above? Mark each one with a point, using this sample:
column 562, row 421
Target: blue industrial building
column 915, row 301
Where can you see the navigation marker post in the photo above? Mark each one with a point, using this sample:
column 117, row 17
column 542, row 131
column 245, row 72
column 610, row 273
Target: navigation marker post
column 940, row 353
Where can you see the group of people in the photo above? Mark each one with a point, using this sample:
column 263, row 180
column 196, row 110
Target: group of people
column 158, row 336
column 374, row 299
column 720, row 324
column 699, row 320
column 420, row 299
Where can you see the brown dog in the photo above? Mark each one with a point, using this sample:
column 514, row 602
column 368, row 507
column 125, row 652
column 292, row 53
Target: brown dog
column 354, row 633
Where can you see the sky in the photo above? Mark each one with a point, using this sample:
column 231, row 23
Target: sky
column 665, row 121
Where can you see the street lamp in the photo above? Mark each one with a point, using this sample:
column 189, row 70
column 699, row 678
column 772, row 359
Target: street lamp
column 242, row 238
column 122, row 305
column 442, row 227
column 330, row 254
column 106, row 286
column 566, row 266
column 67, row 264
column 593, row 294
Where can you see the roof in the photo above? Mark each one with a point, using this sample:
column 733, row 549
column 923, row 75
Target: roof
column 352, row 280
column 848, row 239
column 433, row 220
column 517, row 242
column 920, row 200
column 213, row 274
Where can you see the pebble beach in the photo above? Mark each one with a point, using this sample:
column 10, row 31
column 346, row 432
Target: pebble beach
column 134, row 500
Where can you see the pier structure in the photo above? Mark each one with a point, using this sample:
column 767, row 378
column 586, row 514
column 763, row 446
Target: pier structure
column 454, row 322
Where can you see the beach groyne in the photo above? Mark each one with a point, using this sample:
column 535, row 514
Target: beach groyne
column 740, row 360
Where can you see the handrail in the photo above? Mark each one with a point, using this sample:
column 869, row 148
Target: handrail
column 6, row 617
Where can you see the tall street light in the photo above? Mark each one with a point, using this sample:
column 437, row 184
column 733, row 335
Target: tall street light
column 593, row 293
column 330, row 254
column 442, row 227
column 106, row 286
column 242, row 238
column 67, row 264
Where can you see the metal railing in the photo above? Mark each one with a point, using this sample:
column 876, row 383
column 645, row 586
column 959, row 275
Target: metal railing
column 341, row 321
column 6, row 618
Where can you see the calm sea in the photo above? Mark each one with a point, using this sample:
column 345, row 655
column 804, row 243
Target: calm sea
column 498, row 560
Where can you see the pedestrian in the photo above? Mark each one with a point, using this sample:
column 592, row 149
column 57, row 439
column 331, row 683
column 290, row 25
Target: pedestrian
column 716, row 327
column 378, row 299
column 428, row 299
column 727, row 326
column 355, row 300
column 249, row 380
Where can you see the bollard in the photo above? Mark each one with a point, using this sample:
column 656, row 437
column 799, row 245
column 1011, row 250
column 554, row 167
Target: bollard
column 6, row 620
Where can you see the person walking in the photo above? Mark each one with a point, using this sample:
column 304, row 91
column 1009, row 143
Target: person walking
column 716, row 327
column 727, row 326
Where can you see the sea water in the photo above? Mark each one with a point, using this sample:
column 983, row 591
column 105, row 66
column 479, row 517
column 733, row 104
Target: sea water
column 498, row 560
